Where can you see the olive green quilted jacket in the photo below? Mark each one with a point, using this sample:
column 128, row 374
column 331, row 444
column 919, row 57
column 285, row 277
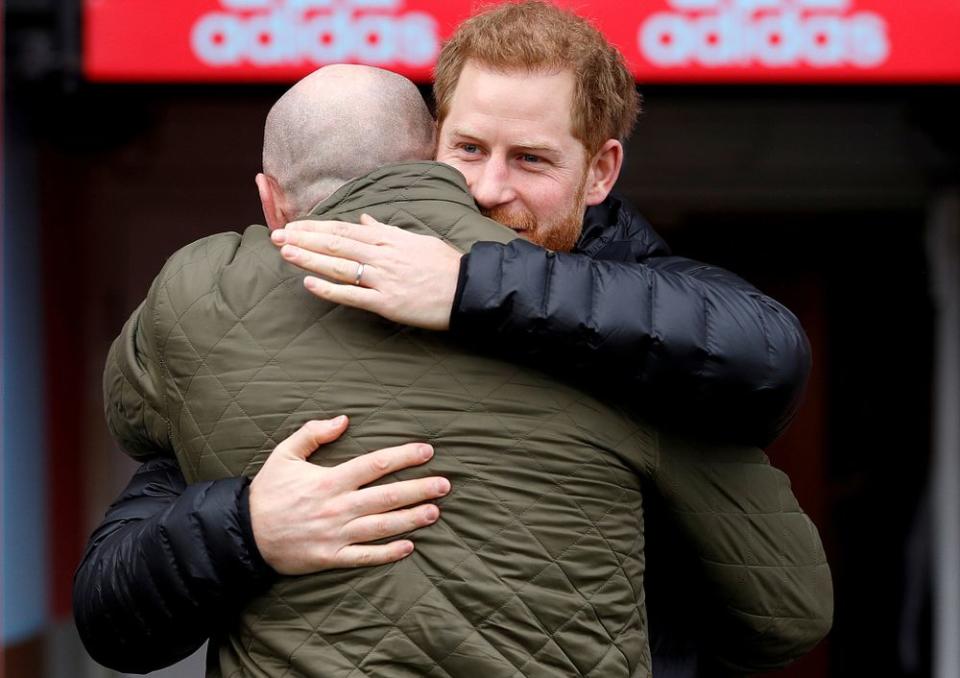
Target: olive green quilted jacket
column 536, row 567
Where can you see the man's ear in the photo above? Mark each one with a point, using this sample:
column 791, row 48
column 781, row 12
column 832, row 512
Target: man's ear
column 271, row 199
column 602, row 172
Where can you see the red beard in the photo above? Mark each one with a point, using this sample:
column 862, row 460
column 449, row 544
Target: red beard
column 560, row 236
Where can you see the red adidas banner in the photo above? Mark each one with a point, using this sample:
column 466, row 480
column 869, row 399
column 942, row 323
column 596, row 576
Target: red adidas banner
column 729, row 41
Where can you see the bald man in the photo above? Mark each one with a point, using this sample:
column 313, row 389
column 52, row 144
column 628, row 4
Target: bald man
column 294, row 517
column 292, row 182
column 378, row 118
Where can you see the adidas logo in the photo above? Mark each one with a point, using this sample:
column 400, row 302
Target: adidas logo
column 315, row 32
column 770, row 33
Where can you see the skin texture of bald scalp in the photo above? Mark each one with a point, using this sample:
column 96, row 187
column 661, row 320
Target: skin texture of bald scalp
column 338, row 123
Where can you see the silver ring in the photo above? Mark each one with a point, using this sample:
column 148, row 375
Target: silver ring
column 359, row 274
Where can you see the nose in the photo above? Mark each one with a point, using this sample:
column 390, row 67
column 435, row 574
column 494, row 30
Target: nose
column 491, row 185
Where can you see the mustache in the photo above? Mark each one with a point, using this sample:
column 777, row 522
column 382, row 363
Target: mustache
column 521, row 220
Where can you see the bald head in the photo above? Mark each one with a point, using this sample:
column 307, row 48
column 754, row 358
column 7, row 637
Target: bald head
column 338, row 123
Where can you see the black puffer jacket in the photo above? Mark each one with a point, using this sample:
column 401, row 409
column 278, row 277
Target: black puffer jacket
column 165, row 568
column 171, row 561
column 687, row 343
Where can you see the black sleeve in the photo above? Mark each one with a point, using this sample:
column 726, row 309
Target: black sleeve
column 166, row 566
column 692, row 344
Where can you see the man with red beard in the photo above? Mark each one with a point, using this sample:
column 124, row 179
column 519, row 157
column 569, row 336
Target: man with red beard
column 539, row 141
column 533, row 105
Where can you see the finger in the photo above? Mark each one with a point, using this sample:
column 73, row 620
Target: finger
column 372, row 500
column 372, row 554
column 350, row 295
column 371, row 234
column 325, row 243
column 344, row 270
column 306, row 439
column 366, row 468
column 372, row 528
column 367, row 220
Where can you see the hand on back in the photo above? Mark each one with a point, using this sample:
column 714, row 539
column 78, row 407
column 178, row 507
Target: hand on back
column 406, row 277
column 308, row 518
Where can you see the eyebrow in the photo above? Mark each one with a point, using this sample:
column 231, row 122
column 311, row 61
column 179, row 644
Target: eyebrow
column 540, row 147
column 524, row 145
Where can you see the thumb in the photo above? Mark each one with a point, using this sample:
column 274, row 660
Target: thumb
column 305, row 440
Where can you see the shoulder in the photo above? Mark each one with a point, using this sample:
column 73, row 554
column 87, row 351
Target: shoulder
column 213, row 253
column 214, row 281
column 211, row 262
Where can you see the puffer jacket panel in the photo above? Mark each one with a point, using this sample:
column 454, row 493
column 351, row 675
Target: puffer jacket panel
column 685, row 342
column 135, row 610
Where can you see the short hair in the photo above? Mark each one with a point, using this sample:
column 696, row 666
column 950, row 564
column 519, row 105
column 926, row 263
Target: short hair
column 339, row 123
column 539, row 37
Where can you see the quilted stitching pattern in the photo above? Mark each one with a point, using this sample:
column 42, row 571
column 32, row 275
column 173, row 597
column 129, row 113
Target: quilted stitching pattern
column 763, row 558
column 537, row 566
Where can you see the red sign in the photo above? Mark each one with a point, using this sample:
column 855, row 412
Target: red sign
column 732, row 41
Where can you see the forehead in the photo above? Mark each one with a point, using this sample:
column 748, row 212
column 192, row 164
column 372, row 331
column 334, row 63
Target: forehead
column 489, row 101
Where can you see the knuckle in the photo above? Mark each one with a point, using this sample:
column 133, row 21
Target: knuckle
column 324, row 292
column 335, row 244
column 329, row 510
column 379, row 463
column 415, row 450
column 346, row 535
column 355, row 505
column 324, row 486
column 428, row 489
column 325, row 560
column 390, row 497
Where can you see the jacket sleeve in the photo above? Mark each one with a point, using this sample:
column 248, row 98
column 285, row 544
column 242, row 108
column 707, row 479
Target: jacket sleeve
column 168, row 564
column 138, row 393
column 769, row 592
column 132, row 389
column 688, row 343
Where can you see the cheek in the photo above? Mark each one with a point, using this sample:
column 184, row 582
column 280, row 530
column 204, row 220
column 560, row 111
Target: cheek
column 547, row 196
column 463, row 167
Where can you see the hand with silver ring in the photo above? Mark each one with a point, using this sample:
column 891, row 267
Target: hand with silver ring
column 406, row 277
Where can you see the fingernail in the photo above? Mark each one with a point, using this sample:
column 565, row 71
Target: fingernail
column 442, row 485
column 339, row 420
column 310, row 282
column 289, row 252
column 431, row 513
column 426, row 452
column 407, row 548
column 279, row 236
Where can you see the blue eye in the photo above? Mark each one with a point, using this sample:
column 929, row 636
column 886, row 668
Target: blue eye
column 530, row 157
column 470, row 148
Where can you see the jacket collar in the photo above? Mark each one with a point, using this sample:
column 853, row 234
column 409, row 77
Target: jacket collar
column 399, row 183
column 614, row 229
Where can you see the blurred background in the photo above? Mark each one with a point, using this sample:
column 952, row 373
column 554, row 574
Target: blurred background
column 812, row 146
